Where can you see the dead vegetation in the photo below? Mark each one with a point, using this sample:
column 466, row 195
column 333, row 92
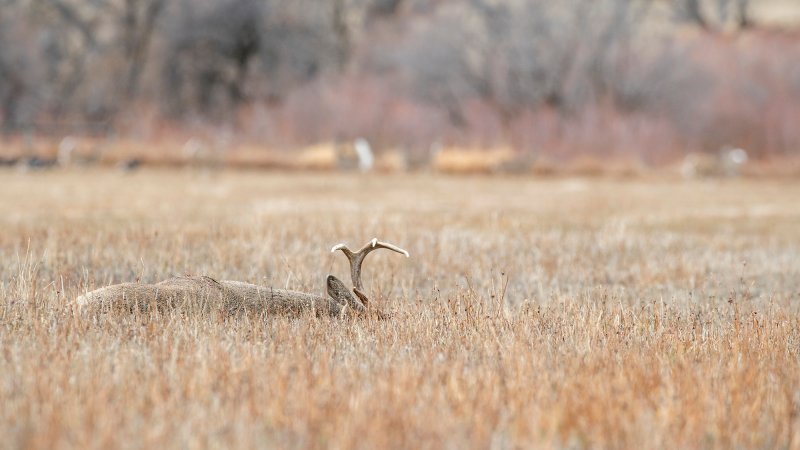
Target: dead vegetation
column 582, row 313
column 197, row 154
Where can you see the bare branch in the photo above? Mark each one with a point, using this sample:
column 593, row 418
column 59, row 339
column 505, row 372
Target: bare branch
column 72, row 17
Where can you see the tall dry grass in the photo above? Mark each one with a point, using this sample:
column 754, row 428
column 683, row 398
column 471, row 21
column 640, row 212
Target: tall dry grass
column 532, row 314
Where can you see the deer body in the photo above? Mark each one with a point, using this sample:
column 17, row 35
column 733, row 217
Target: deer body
column 205, row 293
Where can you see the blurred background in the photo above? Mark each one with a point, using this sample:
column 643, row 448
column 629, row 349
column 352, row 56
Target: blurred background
column 471, row 85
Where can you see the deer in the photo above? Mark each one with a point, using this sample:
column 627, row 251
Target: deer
column 232, row 297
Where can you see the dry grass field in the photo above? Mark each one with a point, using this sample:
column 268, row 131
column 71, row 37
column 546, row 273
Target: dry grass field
column 558, row 313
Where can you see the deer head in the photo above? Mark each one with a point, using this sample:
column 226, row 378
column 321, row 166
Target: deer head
column 356, row 259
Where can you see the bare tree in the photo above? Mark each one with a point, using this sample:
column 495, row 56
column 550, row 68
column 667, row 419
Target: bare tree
column 84, row 57
column 237, row 51
column 522, row 54
column 18, row 77
column 139, row 20
column 210, row 52
column 714, row 15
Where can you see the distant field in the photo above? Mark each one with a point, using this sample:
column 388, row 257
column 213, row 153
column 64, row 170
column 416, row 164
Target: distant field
column 532, row 313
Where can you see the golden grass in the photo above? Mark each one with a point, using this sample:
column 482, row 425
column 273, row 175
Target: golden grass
column 456, row 160
column 532, row 314
column 391, row 161
column 322, row 156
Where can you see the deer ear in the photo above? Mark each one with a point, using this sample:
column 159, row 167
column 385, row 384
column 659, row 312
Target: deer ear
column 335, row 287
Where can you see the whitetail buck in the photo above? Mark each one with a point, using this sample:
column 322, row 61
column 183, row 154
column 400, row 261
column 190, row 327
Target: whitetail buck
column 206, row 293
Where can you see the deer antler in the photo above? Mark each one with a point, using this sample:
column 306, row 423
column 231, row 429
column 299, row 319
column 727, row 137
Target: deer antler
column 356, row 258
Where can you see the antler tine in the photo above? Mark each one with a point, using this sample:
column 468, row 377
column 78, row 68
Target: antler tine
column 343, row 247
column 357, row 258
